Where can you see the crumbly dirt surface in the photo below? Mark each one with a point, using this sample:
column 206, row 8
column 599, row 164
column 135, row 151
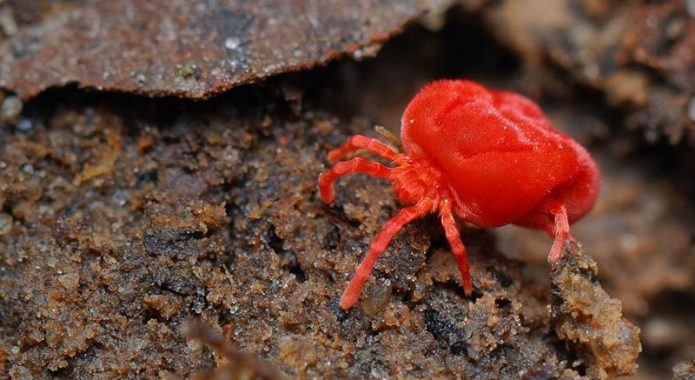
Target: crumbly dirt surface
column 160, row 238
column 124, row 228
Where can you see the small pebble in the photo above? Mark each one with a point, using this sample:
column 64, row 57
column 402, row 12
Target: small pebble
column 377, row 296
column 691, row 109
column 6, row 222
column 690, row 7
column 70, row 281
column 232, row 43
column 11, row 107
column 7, row 21
column 25, row 125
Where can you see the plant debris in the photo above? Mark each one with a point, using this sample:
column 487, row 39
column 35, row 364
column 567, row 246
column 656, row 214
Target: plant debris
column 585, row 316
column 234, row 363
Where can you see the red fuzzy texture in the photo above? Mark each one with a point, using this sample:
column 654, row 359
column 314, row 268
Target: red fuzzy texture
column 489, row 157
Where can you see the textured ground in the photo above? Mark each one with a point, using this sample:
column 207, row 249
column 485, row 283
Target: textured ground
column 122, row 228
column 123, row 219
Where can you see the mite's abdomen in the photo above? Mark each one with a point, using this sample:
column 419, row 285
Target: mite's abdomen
column 499, row 153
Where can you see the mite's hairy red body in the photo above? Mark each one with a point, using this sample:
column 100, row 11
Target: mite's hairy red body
column 490, row 157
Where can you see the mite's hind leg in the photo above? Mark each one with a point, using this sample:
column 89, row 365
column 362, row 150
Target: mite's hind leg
column 457, row 248
column 560, row 230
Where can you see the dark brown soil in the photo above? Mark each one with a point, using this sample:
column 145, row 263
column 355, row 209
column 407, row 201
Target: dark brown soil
column 160, row 238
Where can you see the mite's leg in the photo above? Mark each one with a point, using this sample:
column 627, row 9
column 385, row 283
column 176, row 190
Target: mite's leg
column 457, row 248
column 380, row 243
column 561, row 231
column 369, row 144
column 355, row 165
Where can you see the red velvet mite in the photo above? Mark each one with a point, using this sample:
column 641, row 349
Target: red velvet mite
column 489, row 157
